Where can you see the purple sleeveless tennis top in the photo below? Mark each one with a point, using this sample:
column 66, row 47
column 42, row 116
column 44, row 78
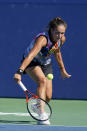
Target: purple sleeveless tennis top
column 43, row 57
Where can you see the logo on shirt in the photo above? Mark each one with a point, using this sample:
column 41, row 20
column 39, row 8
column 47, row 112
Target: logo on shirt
column 53, row 49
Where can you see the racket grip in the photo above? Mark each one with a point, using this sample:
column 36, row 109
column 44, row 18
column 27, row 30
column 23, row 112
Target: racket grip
column 22, row 86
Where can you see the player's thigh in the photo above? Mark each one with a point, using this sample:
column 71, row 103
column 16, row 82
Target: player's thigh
column 48, row 89
column 35, row 73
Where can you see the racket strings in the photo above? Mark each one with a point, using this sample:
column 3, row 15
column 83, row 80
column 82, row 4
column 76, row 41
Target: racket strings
column 39, row 109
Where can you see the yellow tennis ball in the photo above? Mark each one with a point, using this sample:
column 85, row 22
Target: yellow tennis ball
column 50, row 76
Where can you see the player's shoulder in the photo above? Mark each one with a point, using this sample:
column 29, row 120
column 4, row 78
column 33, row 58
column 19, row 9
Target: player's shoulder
column 42, row 39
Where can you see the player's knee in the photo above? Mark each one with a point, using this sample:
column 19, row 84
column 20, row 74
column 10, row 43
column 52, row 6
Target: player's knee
column 42, row 80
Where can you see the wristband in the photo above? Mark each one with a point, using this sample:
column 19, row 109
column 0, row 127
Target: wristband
column 20, row 72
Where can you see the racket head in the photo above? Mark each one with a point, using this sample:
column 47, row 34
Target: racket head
column 39, row 109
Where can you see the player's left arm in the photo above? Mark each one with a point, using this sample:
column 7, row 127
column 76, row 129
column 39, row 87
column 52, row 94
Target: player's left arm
column 59, row 60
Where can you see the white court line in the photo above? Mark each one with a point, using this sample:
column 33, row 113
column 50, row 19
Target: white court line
column 16, row 114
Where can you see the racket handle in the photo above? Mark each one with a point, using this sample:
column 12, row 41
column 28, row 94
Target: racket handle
column 22, row 86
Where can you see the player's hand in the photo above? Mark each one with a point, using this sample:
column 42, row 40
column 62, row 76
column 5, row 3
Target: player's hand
column 64, row 74
column 17, row 77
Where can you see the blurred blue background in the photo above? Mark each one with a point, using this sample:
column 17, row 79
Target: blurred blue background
column 20, row 21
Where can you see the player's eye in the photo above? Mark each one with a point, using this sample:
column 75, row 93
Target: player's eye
column 57, row 33
column 62, row 33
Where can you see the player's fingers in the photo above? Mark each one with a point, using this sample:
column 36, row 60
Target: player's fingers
column 68, row 76
column 17, row 78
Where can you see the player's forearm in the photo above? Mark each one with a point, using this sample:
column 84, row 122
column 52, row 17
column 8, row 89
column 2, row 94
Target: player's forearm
column 25, row 63
column 59, row 61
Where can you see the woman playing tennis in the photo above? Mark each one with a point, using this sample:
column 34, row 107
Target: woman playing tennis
column 37, row 58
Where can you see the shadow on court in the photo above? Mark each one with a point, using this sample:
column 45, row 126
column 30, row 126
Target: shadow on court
column 18, row 122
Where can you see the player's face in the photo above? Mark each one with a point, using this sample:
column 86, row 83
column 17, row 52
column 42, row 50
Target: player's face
column 58, row 33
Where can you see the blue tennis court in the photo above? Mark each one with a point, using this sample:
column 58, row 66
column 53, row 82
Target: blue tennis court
column 6, row 127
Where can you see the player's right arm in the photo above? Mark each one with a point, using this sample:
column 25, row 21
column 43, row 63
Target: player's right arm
column 40, row 42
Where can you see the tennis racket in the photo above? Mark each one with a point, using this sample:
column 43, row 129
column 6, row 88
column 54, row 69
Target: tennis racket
column 38, row 108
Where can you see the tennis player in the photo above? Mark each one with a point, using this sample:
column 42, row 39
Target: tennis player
column 37, row 58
